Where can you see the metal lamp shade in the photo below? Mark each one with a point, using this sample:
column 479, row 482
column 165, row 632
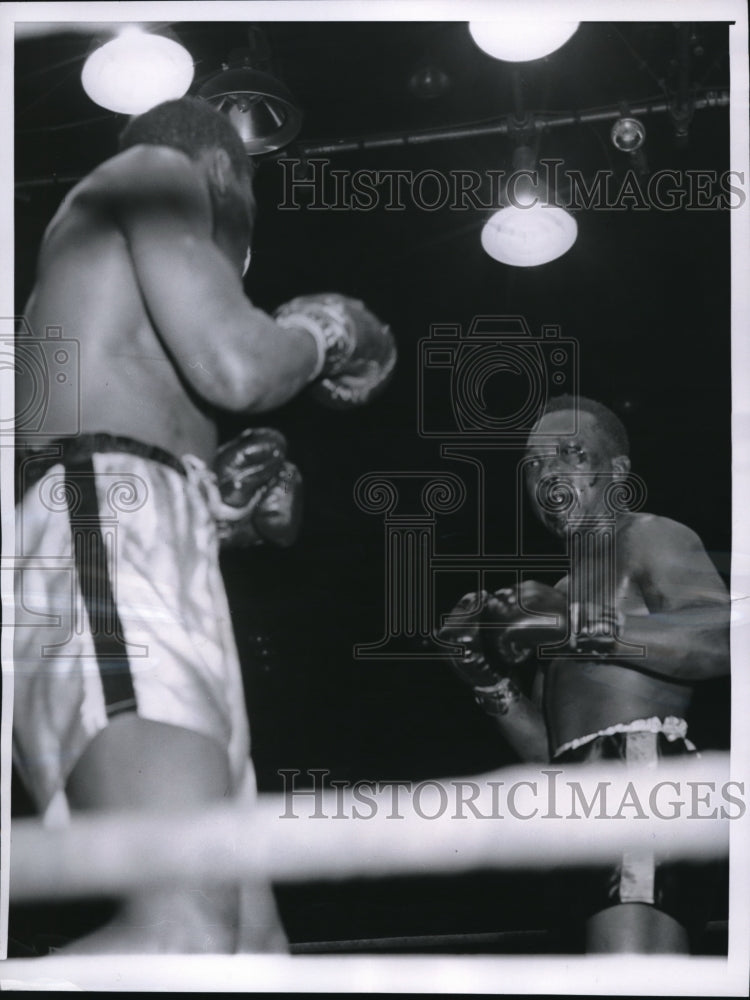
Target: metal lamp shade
column 258, row 105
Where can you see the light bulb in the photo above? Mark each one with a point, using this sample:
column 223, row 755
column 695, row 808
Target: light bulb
column 520, row 41
column 525, row 237
column 136, row 71
column 628, row 134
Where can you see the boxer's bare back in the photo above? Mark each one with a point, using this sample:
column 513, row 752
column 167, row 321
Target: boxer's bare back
column 141, row 266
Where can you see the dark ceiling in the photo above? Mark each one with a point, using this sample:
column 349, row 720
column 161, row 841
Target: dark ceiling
column 644, row 293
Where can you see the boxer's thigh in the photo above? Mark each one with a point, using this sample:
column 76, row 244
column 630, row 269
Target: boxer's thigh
column 138, row 763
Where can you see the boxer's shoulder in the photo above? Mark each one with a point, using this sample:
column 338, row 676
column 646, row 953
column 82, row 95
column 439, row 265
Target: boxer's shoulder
column 144, row 161
column 641, row 530
column 143, row 174
column 664, row 555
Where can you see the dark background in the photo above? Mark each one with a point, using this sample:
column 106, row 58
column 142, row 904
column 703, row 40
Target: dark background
column 646, row 295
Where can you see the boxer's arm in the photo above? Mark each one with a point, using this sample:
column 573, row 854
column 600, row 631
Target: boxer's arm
column 686, row 633
column 232, row 354
column 523, row 727
column 493, row 683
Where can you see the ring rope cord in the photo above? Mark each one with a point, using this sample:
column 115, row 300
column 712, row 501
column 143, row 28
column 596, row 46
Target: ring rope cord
column 280, row 837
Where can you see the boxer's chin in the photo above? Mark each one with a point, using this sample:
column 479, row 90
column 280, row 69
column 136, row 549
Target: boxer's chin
column 557, row 523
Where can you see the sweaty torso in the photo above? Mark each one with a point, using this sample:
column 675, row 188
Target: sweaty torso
column 585, row 696
column 125, row 383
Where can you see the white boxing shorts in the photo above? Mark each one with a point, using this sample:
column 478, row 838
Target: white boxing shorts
column 120, row 607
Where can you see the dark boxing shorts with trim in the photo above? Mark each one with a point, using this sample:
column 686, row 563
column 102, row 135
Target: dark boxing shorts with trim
column 683, row 890
column 120, row 607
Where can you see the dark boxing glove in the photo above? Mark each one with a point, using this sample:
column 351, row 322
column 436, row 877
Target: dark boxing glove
column 588, row 630
column 493, row 683
column 356, row 352
column 594, row 628
column 260, row 493
column 531, row 614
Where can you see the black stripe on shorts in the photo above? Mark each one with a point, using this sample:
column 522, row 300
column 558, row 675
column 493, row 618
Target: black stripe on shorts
column 96, row 588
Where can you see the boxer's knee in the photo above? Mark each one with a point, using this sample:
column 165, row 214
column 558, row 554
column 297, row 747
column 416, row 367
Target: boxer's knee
column 636, row 928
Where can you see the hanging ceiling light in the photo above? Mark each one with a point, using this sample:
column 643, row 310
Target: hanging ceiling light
column 525, row 237
column 259, row 106
column 520, row 41
column 628, row 134
column 528, row 230
column 136, row 71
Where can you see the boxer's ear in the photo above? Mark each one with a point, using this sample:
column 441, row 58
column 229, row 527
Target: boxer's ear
column 219, row 170
column 620, row 465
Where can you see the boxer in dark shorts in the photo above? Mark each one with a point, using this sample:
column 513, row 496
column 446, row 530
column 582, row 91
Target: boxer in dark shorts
column 682, row 890
column 637, row 580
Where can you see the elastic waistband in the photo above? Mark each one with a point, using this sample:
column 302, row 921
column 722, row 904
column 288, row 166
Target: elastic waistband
column 33, row 463
column 671, row 726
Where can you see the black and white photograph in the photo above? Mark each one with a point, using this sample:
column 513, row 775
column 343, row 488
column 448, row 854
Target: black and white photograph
column 375, row 455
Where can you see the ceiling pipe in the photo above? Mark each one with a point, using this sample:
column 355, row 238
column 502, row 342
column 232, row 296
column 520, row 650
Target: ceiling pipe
column 682, row 108
column 712, row 99
column 504, row 126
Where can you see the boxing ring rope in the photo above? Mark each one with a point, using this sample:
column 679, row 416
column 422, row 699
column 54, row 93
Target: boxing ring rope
column 303, row 836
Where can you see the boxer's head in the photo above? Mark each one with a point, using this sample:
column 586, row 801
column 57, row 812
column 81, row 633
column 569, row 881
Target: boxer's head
column 208, row 137
column 571, row 471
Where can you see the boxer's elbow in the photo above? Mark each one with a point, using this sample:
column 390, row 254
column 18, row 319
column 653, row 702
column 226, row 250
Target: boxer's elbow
column 706, row 657
column 241, row 392
column 219, row 383
column 258, row 387
column 691, row 644
column 264, row 368
column 715, row 642
column 716, row 654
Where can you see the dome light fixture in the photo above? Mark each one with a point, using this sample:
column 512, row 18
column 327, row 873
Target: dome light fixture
column 528, row 230
column 137, row 70
column 525, row 237
column 520, row 41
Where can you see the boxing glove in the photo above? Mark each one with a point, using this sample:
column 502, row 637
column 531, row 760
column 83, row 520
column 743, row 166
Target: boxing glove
column 259, row 491
column 585, row 629
column 356, row 351
column 493, row 683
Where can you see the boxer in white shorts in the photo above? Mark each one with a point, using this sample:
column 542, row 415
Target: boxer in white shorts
column 154, row 637
column 141, row 706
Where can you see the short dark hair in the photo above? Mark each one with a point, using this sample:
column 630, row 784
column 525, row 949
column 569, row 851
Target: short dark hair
column 609, row 422
column 191, row 125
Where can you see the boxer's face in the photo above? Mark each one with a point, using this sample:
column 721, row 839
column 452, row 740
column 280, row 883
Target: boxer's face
column 564, row 467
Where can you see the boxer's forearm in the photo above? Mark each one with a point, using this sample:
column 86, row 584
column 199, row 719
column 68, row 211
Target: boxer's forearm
column 691, row 644
column 524, row 730
column 520, row 721
column 271, row 364
column 495, row 682
column 688, row 643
